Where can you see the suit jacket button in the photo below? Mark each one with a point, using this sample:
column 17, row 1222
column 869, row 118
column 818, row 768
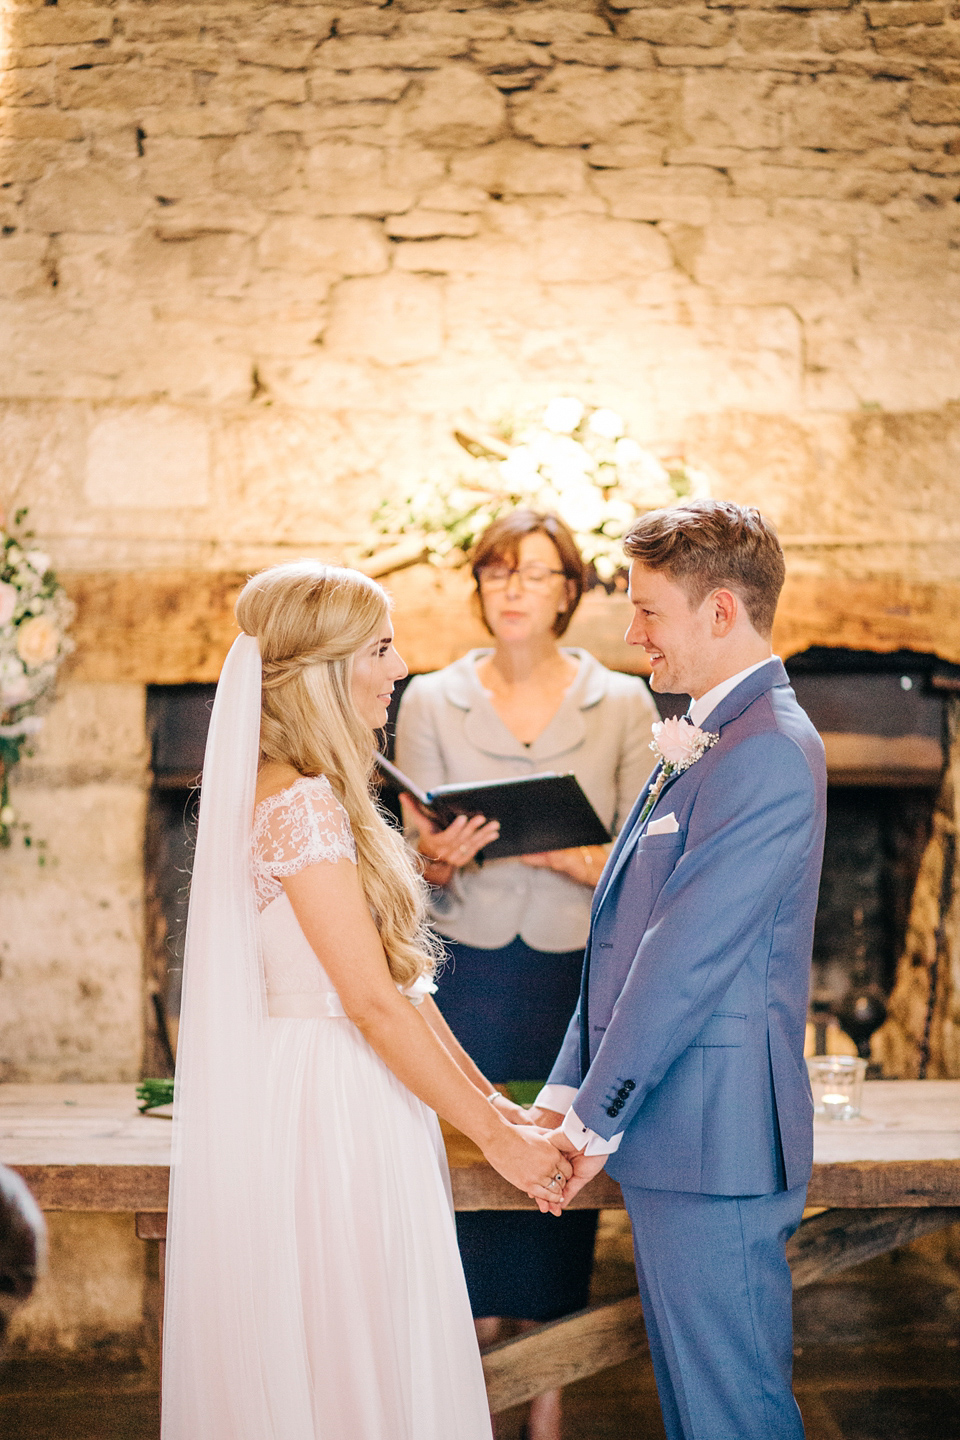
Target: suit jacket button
column 612, row 1112
column 623, row 1092
column 629, row 1085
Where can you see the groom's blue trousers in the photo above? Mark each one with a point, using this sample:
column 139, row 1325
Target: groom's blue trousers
column 718, row 1306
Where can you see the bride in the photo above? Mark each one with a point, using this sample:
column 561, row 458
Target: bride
column 314, row 1289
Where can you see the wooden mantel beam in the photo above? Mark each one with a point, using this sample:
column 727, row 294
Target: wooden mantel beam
column 175, row 626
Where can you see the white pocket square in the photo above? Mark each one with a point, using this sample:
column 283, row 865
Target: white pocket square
column 666, row 825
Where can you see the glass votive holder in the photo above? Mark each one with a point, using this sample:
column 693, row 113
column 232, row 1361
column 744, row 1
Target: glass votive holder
column 837, row 1085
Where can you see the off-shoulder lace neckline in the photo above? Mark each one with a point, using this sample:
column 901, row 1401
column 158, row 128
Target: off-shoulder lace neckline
column 270, row 802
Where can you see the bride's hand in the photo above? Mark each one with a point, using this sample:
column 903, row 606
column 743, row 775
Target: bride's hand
column 508, row 1110
column 523, row 1155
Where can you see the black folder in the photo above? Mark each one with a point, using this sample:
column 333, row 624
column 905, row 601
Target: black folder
column 536, row 812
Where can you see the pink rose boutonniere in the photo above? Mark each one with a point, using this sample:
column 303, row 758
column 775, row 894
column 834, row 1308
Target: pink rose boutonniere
column 677, row 745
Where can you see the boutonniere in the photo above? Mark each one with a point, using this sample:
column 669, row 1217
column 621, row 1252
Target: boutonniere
column 677, row 745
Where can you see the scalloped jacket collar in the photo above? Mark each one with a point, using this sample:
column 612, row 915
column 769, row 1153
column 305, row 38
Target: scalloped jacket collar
column 484, row 728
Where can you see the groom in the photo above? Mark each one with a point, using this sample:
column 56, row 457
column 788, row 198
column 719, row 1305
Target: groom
column 683, row 1064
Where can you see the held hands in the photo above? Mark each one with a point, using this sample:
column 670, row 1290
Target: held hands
column 445, row 851
column 530, row 1160
column 584, row 1167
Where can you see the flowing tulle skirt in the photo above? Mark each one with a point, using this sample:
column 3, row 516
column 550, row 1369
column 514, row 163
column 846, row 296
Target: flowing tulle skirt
column 349, row 1318
column 388, row 1339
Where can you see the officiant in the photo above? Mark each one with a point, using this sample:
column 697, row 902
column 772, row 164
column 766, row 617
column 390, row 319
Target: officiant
column 515, row 928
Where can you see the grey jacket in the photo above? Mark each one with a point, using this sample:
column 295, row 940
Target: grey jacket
column 447, row 730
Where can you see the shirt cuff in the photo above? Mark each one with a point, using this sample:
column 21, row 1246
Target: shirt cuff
column 556, row 1097
column 586, row 1140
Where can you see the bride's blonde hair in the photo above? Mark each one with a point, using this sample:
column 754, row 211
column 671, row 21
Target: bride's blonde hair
column 310, row 620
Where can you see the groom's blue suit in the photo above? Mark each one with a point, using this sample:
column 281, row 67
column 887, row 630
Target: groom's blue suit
column 689, row 1040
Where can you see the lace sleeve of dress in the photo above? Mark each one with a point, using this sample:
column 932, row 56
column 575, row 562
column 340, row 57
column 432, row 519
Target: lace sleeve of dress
column 301, row 826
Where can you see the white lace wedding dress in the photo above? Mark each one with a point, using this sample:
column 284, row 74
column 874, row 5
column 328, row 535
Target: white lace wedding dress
column 389, row 1346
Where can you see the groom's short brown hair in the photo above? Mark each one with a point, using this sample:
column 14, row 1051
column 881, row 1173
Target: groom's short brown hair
column 704, row 545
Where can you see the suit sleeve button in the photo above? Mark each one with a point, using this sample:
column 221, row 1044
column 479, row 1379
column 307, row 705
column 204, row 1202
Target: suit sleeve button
column 612, row 1112
column 623, row 1092
column 629, row 1085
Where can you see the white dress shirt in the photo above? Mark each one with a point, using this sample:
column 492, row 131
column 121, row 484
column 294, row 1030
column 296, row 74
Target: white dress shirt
column 561, row 1097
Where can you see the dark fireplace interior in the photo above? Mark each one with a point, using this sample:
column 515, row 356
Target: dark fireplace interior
column 882, row 718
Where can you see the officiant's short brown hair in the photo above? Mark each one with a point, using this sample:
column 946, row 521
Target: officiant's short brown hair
column 704, row 545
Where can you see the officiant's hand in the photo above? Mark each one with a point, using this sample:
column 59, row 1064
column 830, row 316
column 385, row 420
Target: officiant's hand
column 582, row 863
column 444, row 851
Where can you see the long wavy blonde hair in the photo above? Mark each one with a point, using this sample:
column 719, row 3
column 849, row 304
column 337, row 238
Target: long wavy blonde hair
column 310, row 620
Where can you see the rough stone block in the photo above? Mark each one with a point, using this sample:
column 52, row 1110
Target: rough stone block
column 578, row 106
column 513, row 168
column 479, row 23
column 725, row 109
column 148, row 457
column 129, row 87
column 92, row 199
column 624, row 156
column 776, row 32
column 27, row 85
column 367, row 20
column 24, row 160
column 339, row 245
column 23, row 264
column 210, row 215
column 653, row 195
column 63, row 27
column 451, row 196
column 180, row 168
column 547, row 27
column 336, row 87
column 507, row 258
column 672, row 27
column 257, row 165
column 196, row 120
column 578, row 248
column 353, row 179
column 430, row 225
column 453, row 107
column 842, row 32
column 906, row 12
column 39, row 124
column 508, row 54
column 358, row 52
column 928, row 42
column 255, row 84
column 606, row 52
column 391, row 319
column 838, row 113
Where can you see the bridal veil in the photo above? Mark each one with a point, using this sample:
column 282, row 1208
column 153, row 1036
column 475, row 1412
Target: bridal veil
column 234, row 1358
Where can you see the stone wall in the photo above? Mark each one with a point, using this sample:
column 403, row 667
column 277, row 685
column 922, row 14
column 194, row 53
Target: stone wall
column 256, row 258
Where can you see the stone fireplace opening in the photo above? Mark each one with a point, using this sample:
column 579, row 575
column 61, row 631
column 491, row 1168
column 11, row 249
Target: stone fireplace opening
column 882, row 719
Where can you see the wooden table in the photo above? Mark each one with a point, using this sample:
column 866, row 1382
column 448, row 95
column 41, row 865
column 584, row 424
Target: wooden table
column 879, row 1182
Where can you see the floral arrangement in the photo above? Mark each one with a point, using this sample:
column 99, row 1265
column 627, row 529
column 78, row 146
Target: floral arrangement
column 34, row 615
column 575, row 460
column 677, row 744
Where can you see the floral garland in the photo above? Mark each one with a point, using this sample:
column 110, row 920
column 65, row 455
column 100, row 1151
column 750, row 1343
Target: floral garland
column 34, row 615
column 575, row 460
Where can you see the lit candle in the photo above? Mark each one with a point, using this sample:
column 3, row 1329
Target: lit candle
column 834, row 1106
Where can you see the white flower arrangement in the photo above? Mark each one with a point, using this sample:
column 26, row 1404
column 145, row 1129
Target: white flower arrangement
column 575, row 460
column 34, row 615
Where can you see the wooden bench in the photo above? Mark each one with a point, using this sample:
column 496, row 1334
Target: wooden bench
column 878, row 1183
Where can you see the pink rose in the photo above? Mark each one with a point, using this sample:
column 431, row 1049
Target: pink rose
column 37, row 642
column 676, row 740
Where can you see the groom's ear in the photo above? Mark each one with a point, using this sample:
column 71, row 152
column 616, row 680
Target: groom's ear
column 725, row 607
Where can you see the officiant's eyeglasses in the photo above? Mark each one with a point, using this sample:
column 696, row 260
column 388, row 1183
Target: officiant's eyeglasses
column 531, row 577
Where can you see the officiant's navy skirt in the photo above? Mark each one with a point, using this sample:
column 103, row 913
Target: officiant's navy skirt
column 510, row 1008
